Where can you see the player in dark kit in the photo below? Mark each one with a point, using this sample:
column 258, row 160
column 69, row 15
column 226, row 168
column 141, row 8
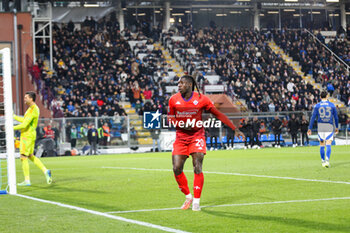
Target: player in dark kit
column 186, row 107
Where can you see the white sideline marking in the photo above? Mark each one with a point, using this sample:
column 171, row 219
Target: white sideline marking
column 234, row 174
column 146, row 224
column 240, row 204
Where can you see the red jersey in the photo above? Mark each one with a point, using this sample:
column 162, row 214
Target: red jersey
column 188, row 110
column 49, row 133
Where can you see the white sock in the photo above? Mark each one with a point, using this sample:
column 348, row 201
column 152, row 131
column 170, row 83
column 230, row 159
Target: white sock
column 189, row 196
column 196, row 200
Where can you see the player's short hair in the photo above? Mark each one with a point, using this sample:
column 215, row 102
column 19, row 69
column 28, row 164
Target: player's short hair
column 191, row 79
column 31, row 94
column 324, row 94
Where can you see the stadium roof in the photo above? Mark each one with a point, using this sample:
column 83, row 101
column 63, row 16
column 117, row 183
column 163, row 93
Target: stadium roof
column 263, row 4
column 212, row 2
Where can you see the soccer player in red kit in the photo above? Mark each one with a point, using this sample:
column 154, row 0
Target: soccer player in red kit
column 188, row 105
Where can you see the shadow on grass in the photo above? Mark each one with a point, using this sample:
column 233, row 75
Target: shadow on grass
column 315, row 226
column 59, row 189
column 339, row 164
column 89, row 202
column 227, row 199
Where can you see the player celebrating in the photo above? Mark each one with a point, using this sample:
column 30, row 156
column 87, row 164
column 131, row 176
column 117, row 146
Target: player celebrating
column 327, row 116
column 184, row 106
column 28, row 135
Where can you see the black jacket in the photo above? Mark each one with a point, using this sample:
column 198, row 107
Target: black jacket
column 92, row 135
column 276, row 126
column 293, row 125
column 255, row 127
column 246, row 127
column 304, row 126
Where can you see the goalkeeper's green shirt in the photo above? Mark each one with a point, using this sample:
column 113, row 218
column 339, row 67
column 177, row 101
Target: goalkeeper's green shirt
column 29, row 122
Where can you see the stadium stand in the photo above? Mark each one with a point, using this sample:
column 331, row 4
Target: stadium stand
column 100, row 71
column 93, row 82
column 317, row 62
column 245, row 62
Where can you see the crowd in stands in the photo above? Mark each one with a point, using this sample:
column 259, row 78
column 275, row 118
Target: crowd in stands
column 316, row 60
column 96, row 68
column 340, row 44
column 245, row 63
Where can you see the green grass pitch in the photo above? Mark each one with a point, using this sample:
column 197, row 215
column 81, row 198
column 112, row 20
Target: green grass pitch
column 239, row 192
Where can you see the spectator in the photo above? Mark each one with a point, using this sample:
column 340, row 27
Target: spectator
column 49, row 133
column 56, row 132
column 214, row 135
column 40, row 132
column 147, row 94
column 304, row 126
column 84, row 131
column 68, row 131
column 133, row 133
column 106, row 134
column 155, row 138
column 93, row 139
column 255, row 133
column 230, row 137
column 73, row 136
column 277, row 130
column 246, row 128
column 293, row 127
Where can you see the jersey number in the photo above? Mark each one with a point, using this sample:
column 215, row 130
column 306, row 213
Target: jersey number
column 325, row 112
column 199, row 142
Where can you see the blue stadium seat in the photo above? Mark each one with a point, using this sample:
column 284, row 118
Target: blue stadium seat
column 208, row 140
column 281, row 138
column 224, row 139
column 263, row 138
column 271, row 138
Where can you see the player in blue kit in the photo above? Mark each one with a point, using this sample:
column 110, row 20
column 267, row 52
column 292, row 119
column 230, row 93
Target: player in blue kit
column 327, row 126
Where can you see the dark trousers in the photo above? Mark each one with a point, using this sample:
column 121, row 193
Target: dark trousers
column 247, row 135
column 73, row 142
column 294, row 138
column 216, row 141
column 105, row 140
column 278, row 138
column 255, row 140
column 304, row 137
column 93, row 148
column 230, row 140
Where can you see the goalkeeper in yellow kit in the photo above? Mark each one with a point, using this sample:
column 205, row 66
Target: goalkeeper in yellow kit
column 28, row 135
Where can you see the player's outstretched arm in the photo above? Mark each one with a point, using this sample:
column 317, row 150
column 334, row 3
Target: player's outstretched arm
column 224, row 119
column 25, row 122
column 18, row 118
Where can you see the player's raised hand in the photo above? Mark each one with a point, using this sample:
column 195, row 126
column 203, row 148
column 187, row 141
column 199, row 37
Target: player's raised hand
column 309, row 132
column 239, row 133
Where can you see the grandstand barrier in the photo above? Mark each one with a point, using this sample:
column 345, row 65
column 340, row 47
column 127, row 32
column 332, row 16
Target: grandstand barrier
column 178, row 38
column 214, row 88
column 213, row 79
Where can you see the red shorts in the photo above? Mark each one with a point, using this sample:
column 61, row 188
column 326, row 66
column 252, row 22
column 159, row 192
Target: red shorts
column 188, row 144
